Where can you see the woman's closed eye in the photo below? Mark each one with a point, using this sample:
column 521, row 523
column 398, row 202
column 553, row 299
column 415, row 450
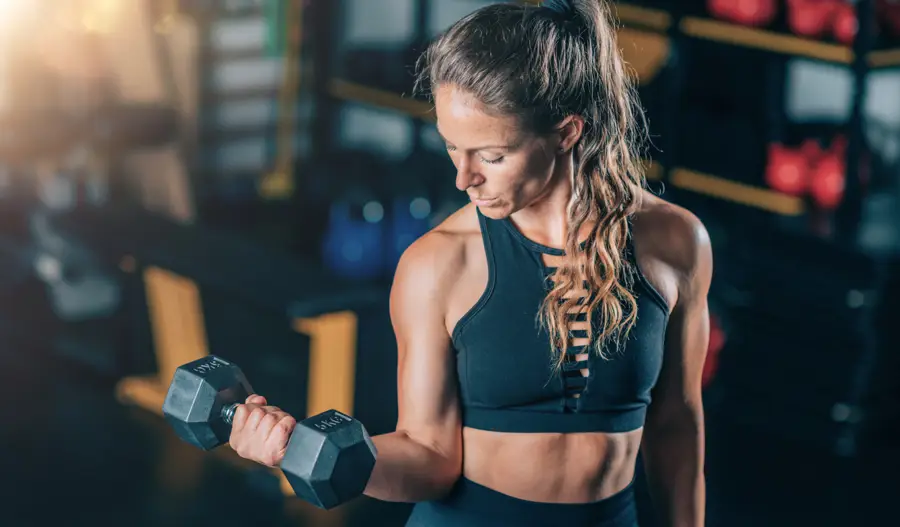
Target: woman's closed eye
column 493, row 161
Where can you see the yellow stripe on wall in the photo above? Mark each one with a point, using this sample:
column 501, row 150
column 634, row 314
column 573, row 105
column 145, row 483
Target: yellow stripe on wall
column 637, row 15
column 332, row 361
column 351, row 91
column 176, row 319
column 761, row 39
column 737, row 192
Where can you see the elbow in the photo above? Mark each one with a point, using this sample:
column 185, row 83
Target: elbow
column 684, row 421
column 447, row 473
column 444, row 483
column 442, row 463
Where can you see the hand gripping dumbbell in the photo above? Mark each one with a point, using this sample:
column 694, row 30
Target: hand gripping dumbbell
column 329, row 456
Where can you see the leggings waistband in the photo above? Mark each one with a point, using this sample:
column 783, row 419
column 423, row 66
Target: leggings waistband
column 469, row 501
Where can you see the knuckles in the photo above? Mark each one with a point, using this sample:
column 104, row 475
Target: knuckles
column 286, row 425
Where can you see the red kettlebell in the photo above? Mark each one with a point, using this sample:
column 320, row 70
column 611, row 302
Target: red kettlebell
column 721, row 9
column 812, row 151
column 754, row 13
column 845, row 24
column 828, row 181
column 787, row 170
column 811, row 18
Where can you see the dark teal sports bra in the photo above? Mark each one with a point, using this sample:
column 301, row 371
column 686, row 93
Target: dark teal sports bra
column 507, row 381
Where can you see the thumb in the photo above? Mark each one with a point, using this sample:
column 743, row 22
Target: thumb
column 257, row 399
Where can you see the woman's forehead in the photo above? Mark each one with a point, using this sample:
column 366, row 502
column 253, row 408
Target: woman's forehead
column 461, row 117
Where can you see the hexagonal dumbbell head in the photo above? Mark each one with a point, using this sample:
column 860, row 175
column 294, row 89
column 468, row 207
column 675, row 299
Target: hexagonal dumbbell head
column 329, row 459
column 200, row 400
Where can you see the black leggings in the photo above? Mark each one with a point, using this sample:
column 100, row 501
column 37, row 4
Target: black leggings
column 473, row 505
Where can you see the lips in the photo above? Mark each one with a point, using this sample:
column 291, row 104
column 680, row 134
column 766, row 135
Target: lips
column 482, row 201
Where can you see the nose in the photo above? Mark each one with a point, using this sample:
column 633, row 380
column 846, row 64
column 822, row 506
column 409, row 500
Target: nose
column 465, row 176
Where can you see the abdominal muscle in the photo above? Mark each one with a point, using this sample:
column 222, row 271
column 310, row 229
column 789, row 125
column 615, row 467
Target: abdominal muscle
column 551, row 468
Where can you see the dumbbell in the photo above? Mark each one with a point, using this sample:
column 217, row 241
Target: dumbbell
column 329, row 456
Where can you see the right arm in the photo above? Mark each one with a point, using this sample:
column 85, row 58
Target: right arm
column 422, row 458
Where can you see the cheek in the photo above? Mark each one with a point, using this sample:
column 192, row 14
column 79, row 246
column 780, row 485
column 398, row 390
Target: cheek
column 527, row 180
column 509, row 182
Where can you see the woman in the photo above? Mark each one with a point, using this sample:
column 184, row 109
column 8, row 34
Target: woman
column 513, row 410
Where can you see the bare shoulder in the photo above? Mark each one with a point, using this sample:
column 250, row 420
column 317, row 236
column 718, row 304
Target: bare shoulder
column 674, row 242
column 433, row 263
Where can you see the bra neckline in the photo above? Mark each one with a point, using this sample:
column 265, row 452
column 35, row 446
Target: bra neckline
column 531, row 244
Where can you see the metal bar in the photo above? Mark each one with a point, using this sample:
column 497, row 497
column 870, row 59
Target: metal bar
column 849, row 214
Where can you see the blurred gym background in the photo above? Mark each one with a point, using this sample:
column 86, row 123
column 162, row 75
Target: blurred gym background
column 239, row 177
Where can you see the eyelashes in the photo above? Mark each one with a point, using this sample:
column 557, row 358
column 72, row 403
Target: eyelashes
column 483, row 160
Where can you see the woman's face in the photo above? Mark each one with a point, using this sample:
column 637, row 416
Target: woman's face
column 502, row 168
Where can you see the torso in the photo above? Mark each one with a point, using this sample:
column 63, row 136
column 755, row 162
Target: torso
column 548, row 467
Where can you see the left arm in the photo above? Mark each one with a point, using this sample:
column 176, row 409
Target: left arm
column 673, row 444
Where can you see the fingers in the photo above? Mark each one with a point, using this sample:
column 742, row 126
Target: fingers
column 259, row 418
column 239, row 419
column 253, row 418
column 261, row 432
column 242, row 417
column 242, row 413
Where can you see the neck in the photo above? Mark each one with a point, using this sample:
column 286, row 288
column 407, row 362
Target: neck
column 546, row 219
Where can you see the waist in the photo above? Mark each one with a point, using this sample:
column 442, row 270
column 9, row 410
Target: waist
column 553, row 468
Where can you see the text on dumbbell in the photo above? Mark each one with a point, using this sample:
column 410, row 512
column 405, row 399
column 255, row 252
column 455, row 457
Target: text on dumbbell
column 209, row 366
column 325, row 424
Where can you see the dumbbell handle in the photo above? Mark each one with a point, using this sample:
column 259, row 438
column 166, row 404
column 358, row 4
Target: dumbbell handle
column 315, row 421
column 228, row 413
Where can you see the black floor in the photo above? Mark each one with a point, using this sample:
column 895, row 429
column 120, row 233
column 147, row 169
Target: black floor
column 71, row 455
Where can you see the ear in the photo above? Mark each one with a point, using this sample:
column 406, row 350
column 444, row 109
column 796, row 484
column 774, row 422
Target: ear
column 569, row 130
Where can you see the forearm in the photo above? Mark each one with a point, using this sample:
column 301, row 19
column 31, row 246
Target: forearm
column 408, row 471
column 673, row 460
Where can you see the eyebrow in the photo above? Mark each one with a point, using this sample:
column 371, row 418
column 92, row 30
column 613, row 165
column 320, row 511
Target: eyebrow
column 486, row 147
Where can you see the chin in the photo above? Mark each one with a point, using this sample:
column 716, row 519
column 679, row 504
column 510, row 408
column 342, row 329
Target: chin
column 496, row 212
